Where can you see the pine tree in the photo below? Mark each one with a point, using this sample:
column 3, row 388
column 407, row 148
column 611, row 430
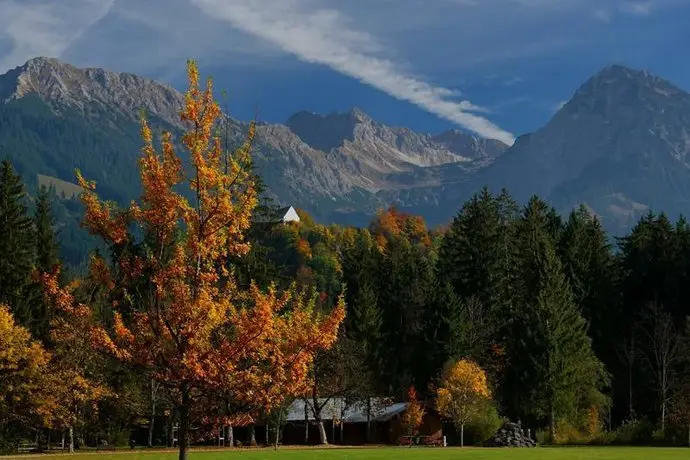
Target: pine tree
column 366, row 320
column 405, row 275
column 555, row 373
column 592, row 273
column 15, row 244
column 477, row 254
column 46, row 258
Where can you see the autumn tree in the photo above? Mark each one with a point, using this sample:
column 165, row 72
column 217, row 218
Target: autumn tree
column 177, row 314
column 337, row 373
column 414, row 413
column 23, row 364
column 463, row 391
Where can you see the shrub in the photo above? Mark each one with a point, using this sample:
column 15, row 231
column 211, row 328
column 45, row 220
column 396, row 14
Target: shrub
column 483, row 425
column 635, row 432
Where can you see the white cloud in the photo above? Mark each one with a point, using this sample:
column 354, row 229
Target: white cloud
column 322, row 36
column 602, row 15
column 45, row 28
column 637, row 8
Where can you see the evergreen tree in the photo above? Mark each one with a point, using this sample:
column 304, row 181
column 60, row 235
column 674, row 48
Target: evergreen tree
column 366, row 320
column 477, row 254
column 45, row 240
column 592, row 273
column 406, row 275
column 554, row 372
column 15, row 245
column 46, row 257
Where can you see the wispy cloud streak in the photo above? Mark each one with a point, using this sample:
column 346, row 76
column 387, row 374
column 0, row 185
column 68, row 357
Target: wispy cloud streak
column 323, row 36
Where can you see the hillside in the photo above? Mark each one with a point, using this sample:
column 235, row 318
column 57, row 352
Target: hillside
column 620, row 145
column 57, row 117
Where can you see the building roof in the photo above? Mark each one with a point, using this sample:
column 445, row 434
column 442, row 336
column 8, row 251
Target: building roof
column 284, row 214
column 337, row 408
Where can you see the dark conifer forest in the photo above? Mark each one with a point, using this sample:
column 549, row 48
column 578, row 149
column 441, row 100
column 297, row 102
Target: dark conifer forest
column 583, row 337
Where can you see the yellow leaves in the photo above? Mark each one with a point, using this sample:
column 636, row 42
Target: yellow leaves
column 177, row 312
column 414, row 414
column 23, row 365
column 464, row 386
column 20, row 356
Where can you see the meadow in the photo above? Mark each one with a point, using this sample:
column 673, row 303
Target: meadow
column 542, row 453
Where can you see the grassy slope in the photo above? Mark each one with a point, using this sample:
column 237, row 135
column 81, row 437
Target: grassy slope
column 584, row 453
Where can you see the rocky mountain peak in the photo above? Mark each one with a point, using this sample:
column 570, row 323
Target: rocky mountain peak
column 88, row 89
column 617, row 89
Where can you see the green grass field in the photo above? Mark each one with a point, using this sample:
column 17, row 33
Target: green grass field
column 574, row 453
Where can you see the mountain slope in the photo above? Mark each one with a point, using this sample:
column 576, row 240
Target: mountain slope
column 621, row 145
column 342, row 167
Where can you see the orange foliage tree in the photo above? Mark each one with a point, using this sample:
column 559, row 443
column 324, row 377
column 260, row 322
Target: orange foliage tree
column 414, row 414
column 392, row 222
column 75, row 369
column 463, row 390
column 23, row 363
column 177, row 313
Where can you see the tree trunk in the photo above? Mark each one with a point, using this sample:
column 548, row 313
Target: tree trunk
column 231, row 436
column 183, row 433
column 252, row 435
column 462, row 435
column 552, row 426
column 663, row 416
column 267, row 440
column 152, row 421
column 368, row 438
column 71, row 440
column 688, row 435
column 62, row 443
column 342, row 432
column 323, row 439
column 306, row 423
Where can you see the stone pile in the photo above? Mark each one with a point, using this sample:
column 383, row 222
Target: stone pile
column 512, row 435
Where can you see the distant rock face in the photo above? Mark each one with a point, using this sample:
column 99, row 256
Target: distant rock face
column 325, row 164
column 620, row 145
column 61, row 84
column 512, row 435
column 387, row 149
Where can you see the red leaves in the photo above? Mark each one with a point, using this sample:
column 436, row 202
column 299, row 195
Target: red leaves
column 177, row 313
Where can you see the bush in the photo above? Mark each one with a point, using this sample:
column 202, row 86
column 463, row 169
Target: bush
column 483, row 426
column 569, row 434
column 631, row 433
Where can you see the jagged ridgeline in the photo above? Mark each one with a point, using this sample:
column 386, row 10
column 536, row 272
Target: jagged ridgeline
column 620, row 146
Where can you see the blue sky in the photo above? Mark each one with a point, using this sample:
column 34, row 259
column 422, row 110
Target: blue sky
column 498, row 68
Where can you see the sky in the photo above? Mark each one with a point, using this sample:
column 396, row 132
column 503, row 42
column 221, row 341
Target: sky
column 497, row 68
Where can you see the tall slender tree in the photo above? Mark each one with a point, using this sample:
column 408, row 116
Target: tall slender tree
column 15, row 244
column 177, row 314
column 552, row 361
column 46, row 258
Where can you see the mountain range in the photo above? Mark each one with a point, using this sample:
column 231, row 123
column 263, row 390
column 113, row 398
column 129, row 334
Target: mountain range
column 620, row 145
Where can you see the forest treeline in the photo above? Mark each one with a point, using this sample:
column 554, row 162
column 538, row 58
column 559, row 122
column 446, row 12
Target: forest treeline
column 580, row 336
column 567, row 324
